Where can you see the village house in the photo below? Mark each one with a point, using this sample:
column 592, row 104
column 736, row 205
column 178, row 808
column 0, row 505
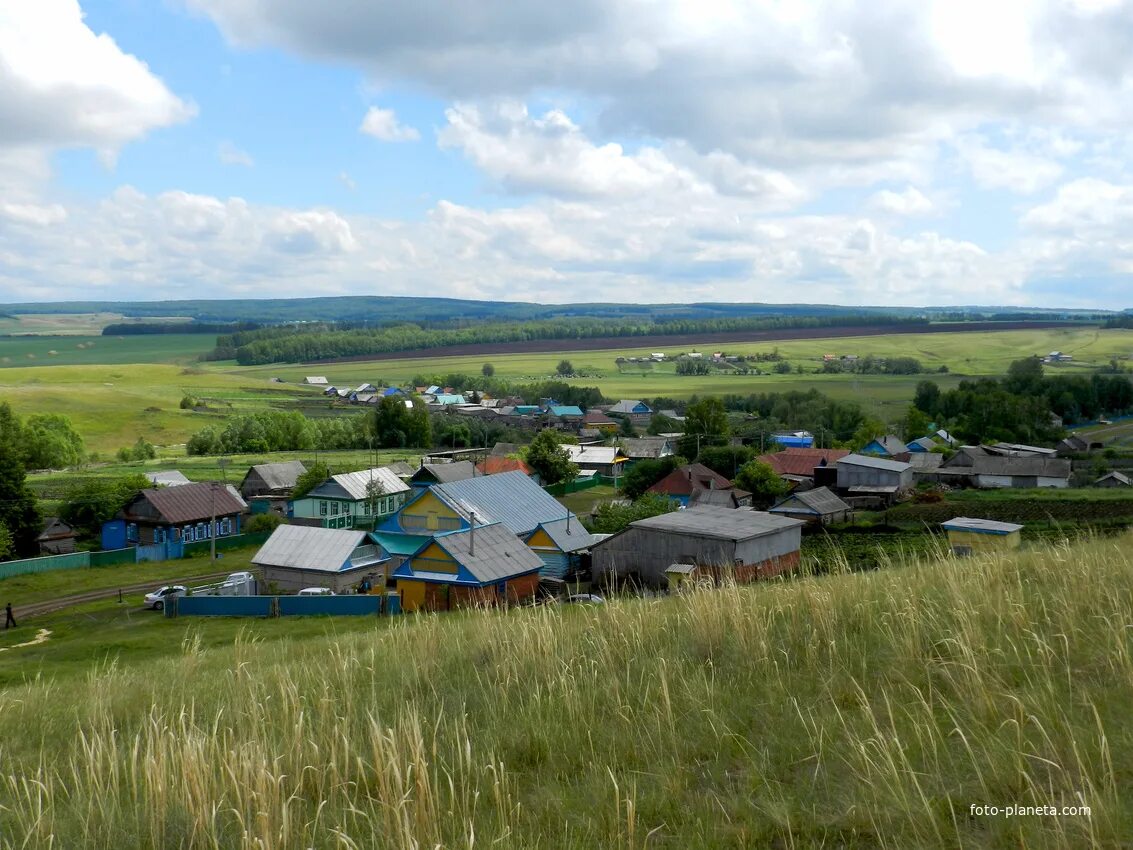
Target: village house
column 511, row 498
column 599, row 460
column 315, row 381
column 477, row 566
column 647, row 448
column 724, row 544
column 493, row 465
column 680, row 484
column 888, row 446
column 633, row 409
column 429, row 474
column 299, row 556
column 271, row 479
column 923, row 444
column 987, row 467
column 599, row 421
column 1074, row 445
column 734, row 498
column 967, row 536
column 797, row 466
column 182, row 513
column 352, row 499
column 819, row 506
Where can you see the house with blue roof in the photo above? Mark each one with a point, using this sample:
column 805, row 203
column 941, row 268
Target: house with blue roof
column 565, row 411
column 887, row 446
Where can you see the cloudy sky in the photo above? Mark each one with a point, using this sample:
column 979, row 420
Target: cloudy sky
column 894, row 152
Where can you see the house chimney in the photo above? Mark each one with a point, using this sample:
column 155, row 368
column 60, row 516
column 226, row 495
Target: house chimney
column 568, row 522
column 472, row 534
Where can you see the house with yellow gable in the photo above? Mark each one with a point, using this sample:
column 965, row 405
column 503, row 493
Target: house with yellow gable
column 510, row 499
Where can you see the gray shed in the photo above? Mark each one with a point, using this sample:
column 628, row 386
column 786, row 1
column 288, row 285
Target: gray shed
column 858, row 471
column 271, row 479
column 819, row 506
column 740, row 544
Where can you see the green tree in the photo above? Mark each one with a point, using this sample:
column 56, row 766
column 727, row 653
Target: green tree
column 143, row 449
column 645, row 473
column 487, row 370
column 315, row 475
column 90, row 502
column 564, row 368
column 626, row 429
column 546, row 456
column 726, row 460
column 870, row 429
column 7, row 548
column 395, row 425
column 927, row 397
column 51, row 442
column 661, row 424
column 611, row 517
column 759, row 479
column 916, row 423
column 19, row 511
column 782, row 367
column 262, row 522
column 707, row 420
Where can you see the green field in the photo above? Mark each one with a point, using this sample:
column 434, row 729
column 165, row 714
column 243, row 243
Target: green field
column 859, row 711
column 121, row 388
column 82, row 324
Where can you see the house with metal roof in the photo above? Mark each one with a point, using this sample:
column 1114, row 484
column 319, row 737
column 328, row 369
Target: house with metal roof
column 794, row 439
column 922, row 444
column 167, row 478
column 631, row 406
column 315, row 380
column 185, row 513
column 967, row 536
column 601, row 460
column 559, row 543
column 352, row 499
column 494, row 465
column 864, row 475
column 820, row 506
column 680, row 484
column 509, row 498
column 299, row 556
column 599, row 421
column 985, row 467
column 474, row 566
column 568, row 412
column 445, row 399
column 271, row 479
column 797, row 465
column 740, row 545
column 647, row 448
column 734, row 498
column 886, row 446
column 429, row 474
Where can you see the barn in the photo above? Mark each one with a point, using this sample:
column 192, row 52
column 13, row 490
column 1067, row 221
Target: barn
column 724, row 543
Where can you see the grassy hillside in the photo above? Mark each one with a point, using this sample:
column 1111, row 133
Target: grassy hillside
column 79, row 350
column 868, row 710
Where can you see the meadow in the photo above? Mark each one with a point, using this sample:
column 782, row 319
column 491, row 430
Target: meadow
column 851, row 710
column 121, row 388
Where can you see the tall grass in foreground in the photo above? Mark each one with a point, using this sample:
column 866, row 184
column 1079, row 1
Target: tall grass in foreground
column 866, row 710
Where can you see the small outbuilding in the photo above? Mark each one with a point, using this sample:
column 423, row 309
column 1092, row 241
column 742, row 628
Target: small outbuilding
column 1114, row 479
column 167, row 478
column 742, row 545
column 299, row 556
column 271, row 479
column 429, row 474
column 967, row 536
column 820, row 506
column 57, row 537
column 858, row 473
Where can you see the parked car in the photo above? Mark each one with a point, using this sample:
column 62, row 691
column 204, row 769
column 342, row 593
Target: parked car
column 236, row 578
column 586, row 599
column 156, row 599
column 315, row 591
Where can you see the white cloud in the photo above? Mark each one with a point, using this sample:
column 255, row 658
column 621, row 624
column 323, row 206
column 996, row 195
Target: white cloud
column 1015, row 168
column 62, row 85
column 910, row 202
column 36, row 214
column 383, row 124
column 229, row 154
column 346, row 180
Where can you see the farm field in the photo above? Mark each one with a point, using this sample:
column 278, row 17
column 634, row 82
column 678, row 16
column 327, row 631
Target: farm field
column 81, row 350
column 82, row 324
column 872, row 709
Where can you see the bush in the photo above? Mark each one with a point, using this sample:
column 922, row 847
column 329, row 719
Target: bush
column 262, row 522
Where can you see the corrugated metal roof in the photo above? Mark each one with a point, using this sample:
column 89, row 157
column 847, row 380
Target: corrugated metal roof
column 167, row 478
column 308, row 547
column 569, row 536
column 278, row 476
column 509, row 497
column 191, row 502
column 565, row 410
column 604, row 455
column 689, row 478
column 1119, row 477
column 981, row 526
column 926, row 443
column 801, row 461
column 445, row 473
column 496, row 555
column 627, row 405
column 874, row 463
column 1028, row 466
column 821, row 500
column 721, row 523
column 400, row 544
column 493, row 465
column 647, row 447
column 355, row 483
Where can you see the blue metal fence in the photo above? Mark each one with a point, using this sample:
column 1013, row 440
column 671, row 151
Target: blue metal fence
column 283, row 606
column 221, row 606
column 351, row 606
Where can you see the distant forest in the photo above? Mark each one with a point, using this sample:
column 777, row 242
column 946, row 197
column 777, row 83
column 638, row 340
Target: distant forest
column 384, row 310
column 303, row 343
column 150, row 328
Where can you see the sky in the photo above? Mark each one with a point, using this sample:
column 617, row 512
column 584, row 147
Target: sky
column 897, row 152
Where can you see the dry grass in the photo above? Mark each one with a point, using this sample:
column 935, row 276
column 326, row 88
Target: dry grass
column 866, row 710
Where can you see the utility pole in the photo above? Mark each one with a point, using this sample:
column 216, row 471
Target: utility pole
column 212, row 523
